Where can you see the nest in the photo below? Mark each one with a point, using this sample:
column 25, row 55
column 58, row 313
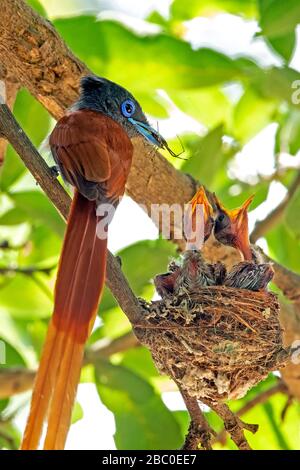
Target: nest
column 215, row 343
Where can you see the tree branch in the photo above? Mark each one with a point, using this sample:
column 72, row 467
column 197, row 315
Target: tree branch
column 199, row 430
column 260, row 398
column 275, row 216
column 233, row 425
column 56, row 193
column 26, row 270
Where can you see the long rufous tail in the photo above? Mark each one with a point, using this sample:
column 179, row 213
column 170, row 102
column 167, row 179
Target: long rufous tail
column 80, row 280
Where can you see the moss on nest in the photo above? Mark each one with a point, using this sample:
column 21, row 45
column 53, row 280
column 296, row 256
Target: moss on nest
column 216, row 343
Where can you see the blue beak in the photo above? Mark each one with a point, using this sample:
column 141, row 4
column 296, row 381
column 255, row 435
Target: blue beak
column 148, row 132
column 151, row 135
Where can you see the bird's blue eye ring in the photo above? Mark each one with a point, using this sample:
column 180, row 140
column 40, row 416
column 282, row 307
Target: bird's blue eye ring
column 128, row 108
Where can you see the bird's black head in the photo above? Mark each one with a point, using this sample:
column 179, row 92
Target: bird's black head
column 231, row 227
column 223, row 229
column 106, row 97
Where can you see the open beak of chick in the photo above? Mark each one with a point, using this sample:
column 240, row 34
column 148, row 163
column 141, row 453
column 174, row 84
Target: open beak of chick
column 198, row 220
column 231, row 227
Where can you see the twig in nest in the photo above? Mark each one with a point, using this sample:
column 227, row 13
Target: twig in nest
column 199, row 430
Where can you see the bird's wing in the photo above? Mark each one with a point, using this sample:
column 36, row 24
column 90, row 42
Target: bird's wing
column 91, row 149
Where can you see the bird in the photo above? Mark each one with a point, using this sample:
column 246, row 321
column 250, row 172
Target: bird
column 195, row 273
column 91, row 146
column 250, row 276
column 165, row 282
column 197, row 227
column 231, row 228
column 198, row 220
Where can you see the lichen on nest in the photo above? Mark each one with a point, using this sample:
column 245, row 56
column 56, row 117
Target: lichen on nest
column 217, row 342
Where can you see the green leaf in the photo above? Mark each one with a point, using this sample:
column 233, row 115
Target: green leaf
column 287, row 253
column 28, row 112
column 9, row 356
column 260, row 190
column 206, row 156
column 209, row 105
column 280, row 17
column 183, row 419
column 43, row 250
column 12, row 169
column 13, row 217
column 187, row 10
column 251, row 114
column 142, row 419
column 37, row 6
column 9, row 436
column 292, row 218
column 23, row 298
column 276, row 82
column 14, row 332
column 279, row 435
column 288, row 133
column 77, row 413
column 3, row 404
column 168, row 62
column 283, row 44
column 38, row 207
column 153, row 104
column 140, row 361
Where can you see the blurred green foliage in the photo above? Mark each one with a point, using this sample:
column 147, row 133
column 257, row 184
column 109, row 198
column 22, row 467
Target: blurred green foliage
column 198, row 81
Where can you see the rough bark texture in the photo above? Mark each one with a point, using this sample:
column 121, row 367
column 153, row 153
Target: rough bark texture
column 36, row 56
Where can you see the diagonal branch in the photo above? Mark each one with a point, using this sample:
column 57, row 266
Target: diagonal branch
column 199, row 431
column 260, row 398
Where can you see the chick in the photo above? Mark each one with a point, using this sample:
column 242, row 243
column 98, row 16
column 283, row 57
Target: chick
column 231, row 228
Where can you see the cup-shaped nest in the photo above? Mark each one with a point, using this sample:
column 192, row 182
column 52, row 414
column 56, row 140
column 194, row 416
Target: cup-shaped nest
column 215, row 343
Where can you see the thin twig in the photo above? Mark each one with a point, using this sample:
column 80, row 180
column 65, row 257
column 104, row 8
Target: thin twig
column 26, row 270
column 115, row 278
column 275, row 216
column 258, row 399
column 233, row 425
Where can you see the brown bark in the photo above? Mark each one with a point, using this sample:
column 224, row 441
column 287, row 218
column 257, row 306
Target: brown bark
column 39, row 60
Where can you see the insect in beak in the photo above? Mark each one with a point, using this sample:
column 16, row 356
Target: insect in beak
column 153, row 136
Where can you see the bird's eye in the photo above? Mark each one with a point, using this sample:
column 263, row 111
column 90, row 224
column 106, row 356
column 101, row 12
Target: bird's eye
column 221, row 217
column 128, row 108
